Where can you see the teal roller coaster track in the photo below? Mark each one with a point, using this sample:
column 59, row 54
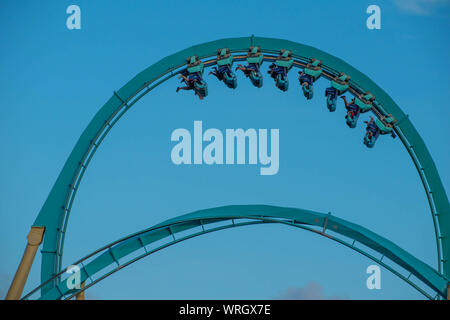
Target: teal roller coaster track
column 55, row 212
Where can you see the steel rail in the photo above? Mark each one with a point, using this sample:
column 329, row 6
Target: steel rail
column 304, row 219
column 54, row 216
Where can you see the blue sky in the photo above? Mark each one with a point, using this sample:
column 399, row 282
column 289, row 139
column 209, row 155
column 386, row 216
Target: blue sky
column 53, row 80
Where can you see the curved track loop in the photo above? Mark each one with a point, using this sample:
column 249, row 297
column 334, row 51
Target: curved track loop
column 55, row 212
column 121, row 253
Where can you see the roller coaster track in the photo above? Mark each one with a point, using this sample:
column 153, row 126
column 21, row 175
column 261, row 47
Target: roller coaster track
column 119, row 254
column 54, row 215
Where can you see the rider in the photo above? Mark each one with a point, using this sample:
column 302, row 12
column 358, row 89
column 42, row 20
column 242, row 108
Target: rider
column 224, row 72
column 252, row 69
column 372, row 133
column 192, row 77
column 310, row 73
column 279, row 70
column 219, row 72
column 382, row 126
column 353, row 112
column 306, row 81
column 339, row 85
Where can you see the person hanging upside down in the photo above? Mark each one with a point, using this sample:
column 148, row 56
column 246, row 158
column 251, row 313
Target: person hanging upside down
column 191, row 81
column 353, row 112
column 372, row 133
column 375, row 128
column 339, row 86
column 279, row 74
column 218, row 73
column 252, row 69
column 225, row 74
column 275, row 70
column 222, row 72
column 280, row 68
column 306, row 81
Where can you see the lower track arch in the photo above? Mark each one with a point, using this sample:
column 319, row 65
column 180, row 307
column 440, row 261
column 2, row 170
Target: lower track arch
column 117, row 254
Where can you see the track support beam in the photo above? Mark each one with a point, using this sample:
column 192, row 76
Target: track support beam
column 34, row 239
column 80, row 295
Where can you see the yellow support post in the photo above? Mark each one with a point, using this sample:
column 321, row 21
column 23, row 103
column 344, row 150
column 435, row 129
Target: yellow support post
column 80, row 296
column 34, row 238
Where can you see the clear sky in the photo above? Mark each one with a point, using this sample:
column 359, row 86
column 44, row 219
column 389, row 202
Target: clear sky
column 53, row 80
